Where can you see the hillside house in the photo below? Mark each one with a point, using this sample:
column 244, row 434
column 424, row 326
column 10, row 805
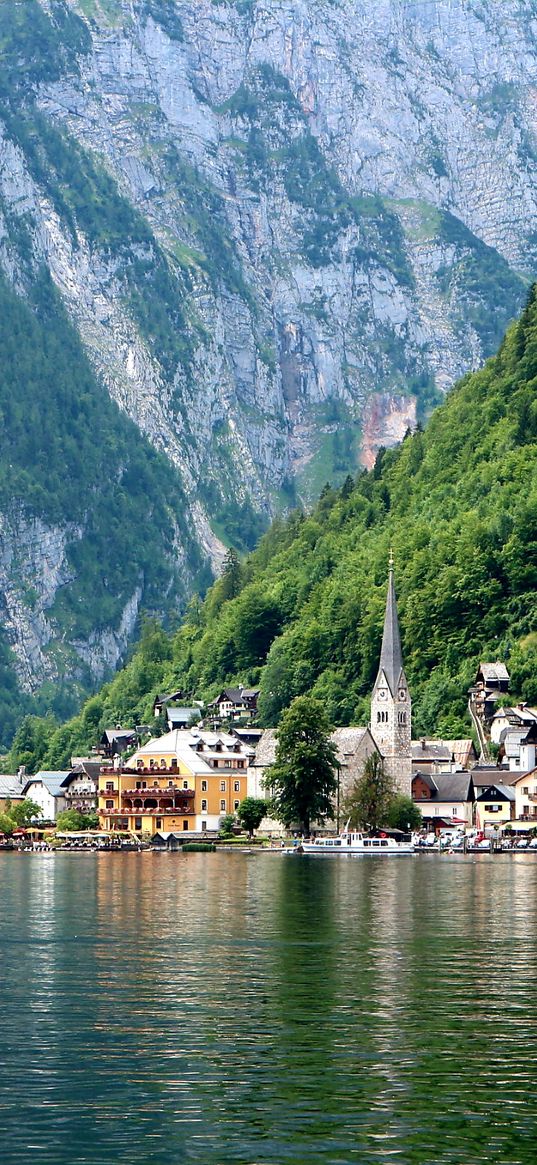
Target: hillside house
column 518, row 747
column 235, row 704
column 116, row 741
column 162, row 701
column 518, row 717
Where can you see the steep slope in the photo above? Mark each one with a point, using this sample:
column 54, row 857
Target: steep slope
column 277, row 230
column 458, row 504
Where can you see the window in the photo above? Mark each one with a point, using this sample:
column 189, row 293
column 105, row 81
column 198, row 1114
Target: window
column 204, row 786
column 222, row 806
column 185, row 784
column 174, row 762
column 525, row 789
column 163, row 763
column 144, row 784
column 203, row 826
column 109, row 804
column 110, row 787
column 203, row 806
column 159, row 822
column 222, row 786
column 155, row 784
column 137, row 822
column 185, row 825
column 402, row 717
column 236, row 786
column 236, row 805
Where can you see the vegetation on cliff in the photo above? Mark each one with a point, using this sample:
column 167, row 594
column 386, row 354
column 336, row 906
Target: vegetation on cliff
column 303, row 613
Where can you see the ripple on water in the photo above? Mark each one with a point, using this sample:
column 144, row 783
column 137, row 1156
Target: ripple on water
column 215, row 1008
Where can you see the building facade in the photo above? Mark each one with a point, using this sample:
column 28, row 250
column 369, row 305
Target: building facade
column 391, row 705
column 184, row 781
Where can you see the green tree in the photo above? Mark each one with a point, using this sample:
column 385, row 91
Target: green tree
column 251, row 812
column 226, row 825
column 404, row 813
column 369, row 801
column 24, row 812
column 70, row 820
column 7, row 824
column 303, row 777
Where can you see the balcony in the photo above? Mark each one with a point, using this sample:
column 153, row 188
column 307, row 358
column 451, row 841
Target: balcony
column 154, row 791
column 168, row 811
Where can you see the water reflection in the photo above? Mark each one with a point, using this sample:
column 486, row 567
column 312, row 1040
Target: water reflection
column 214, row 1008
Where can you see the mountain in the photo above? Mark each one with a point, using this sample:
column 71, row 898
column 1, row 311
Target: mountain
column 265, row 237
column 457, row 503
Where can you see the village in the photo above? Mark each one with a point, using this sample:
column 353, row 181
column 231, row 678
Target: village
column 180, row 785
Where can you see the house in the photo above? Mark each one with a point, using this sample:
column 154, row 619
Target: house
column 181, row 717
column 493, row 676
column 235, row 703
column 116, row 741
column 443, row 756
column 444, row 798
column 183, row 781
column 48, row 790
column 518, row 747
column 525, row 789
column 494, row 804
column 11, row 790
column 504, row 718
column 81, row 786
column 162, row 701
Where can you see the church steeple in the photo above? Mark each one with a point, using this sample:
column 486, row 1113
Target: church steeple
column 391, row 656
column 391, row 705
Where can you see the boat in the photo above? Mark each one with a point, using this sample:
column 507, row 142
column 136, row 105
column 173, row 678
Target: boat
column 352, row 842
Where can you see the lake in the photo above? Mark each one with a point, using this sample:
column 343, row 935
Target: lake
column 215, row 1008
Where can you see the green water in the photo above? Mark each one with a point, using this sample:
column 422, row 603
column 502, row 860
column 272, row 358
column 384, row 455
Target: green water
column 220, row 1008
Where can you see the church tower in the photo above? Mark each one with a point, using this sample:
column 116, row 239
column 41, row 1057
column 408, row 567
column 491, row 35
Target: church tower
column 391, row 706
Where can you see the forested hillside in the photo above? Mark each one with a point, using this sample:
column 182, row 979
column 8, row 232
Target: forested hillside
column 241, row 246
column 303, row 613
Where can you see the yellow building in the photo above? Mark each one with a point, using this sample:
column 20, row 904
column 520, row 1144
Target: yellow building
column 185, row 781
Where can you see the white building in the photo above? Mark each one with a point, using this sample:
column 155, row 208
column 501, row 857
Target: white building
column 48, row 790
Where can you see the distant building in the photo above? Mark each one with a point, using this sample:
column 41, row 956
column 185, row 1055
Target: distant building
column 445, row 799
column 184, row 781
column 525, row 789
column 116, row 741
column 391, row 705
column 179, row 717
column 443, row 756
column 81, row 786
column 11, row 789
column 48, row 790
column 235, row 703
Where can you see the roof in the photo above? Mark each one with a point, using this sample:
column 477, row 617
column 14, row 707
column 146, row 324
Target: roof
column 346, row 741
column 483, row 777
column 430, row 749
column 502, row 791
column 494, row 672
column 112, row 735
column 450, row 787
column 391, row 656
column 182, row 715
column 91, row 768
column 265, row 752
column 54, row 781
column 462, row 751
column 523, row 776
column 182, row 742
column 11, row 786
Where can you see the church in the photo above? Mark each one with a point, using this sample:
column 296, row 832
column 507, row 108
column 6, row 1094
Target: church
column 391, row 705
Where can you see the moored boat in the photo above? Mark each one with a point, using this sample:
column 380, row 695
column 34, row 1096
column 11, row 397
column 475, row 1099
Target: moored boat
column 352, row 842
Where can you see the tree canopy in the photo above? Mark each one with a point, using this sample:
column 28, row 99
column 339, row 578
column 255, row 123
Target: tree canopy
column 302, row 780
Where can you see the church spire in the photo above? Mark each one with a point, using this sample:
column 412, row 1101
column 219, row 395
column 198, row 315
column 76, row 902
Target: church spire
column 391, row 656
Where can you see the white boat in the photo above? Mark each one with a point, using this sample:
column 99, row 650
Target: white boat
column 351, row 842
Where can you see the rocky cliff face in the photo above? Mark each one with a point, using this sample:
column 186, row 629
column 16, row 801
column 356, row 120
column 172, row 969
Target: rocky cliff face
column 281, row 229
